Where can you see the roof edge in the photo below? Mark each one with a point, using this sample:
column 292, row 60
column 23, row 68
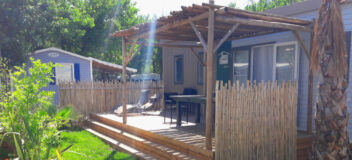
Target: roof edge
column 299, row 8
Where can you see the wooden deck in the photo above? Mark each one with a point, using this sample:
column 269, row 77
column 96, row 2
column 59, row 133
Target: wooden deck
column 191, row 134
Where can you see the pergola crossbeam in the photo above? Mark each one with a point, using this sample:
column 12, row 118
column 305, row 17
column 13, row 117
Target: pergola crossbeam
column 228, row 34
column 173, row 25
column 170, row 45
column 200, row 37
column 262, row 23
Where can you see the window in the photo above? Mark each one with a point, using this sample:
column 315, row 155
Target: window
column 200, row 69
column 240, row 65
column 178, row 69
column 262, row 63
column 274, row 62
column 285, row 63
column 64, row 73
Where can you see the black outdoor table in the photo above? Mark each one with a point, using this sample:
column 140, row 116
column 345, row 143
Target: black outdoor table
column 197, row 99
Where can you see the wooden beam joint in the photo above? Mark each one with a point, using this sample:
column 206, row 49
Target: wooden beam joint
column 227, row 35
column 200, row 37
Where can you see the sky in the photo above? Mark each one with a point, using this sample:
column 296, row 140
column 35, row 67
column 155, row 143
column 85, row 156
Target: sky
column 163, row 7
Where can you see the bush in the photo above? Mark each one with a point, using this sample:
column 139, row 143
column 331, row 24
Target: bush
column 27, row 112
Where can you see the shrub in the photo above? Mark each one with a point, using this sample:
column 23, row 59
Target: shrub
column 27, row 114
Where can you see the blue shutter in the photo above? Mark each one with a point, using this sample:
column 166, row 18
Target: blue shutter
column 77, row 73
column 53, row 77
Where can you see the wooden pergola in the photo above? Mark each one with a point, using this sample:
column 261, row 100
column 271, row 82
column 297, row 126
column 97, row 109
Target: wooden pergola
column 210, row 25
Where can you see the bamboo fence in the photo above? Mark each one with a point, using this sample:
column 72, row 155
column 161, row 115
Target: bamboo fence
column 100, row 97
column 256, row 121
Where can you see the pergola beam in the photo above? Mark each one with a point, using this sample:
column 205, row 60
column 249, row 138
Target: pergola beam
column 228, row 34
column 172, row 25
column 262, row 23
column 200, row 37
column 170, row 45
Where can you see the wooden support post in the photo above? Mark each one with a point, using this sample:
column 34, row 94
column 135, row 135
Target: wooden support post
column 124, row 87
column 200, row 37
column 310, row 91
column 210, row 76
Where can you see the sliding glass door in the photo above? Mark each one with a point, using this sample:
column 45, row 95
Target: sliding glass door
column 270, row 62
column 262, row 63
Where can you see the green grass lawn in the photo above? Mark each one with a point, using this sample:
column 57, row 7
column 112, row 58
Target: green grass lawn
column 87, row 146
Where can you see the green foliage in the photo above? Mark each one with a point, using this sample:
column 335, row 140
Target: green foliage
column 27, row 115
column 79, row 26
column 26, row 26
column 232, row 4
column 4, row 79
column 87, row 146
column 109, row 16
column 263, row 5
column 146, row 64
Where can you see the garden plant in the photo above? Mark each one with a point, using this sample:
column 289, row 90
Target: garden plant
column 28, row 115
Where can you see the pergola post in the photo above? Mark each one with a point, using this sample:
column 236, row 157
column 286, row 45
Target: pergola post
column 124, row 87
column 210, row 76
column 310, row 77
column 310, row 91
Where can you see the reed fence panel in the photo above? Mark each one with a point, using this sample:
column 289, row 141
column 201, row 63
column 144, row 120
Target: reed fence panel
column 99, row 97
column 256, row 121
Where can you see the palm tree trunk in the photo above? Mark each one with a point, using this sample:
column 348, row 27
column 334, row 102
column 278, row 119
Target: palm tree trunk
column 329, row 58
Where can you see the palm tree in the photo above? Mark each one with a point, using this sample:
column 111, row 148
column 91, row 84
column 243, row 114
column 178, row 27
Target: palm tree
column 328, row 59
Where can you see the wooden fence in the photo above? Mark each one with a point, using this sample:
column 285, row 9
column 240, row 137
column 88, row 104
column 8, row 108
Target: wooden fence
column 99, row 97
column 256, row 121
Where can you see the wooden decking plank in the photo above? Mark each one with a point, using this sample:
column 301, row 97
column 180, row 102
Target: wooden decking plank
column 163, row 140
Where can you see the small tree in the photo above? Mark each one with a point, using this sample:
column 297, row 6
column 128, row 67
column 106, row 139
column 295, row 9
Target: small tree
column 27, row 113
column 328, row 58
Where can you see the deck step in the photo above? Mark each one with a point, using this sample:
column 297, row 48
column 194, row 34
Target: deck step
column 137, row 143
column 120, row 146
column 182, row 147
column 159, row 146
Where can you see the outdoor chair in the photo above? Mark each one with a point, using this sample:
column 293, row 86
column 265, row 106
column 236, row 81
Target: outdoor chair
column 138, row 107
column 186, row 106
column 153, row 100
column 170, row 104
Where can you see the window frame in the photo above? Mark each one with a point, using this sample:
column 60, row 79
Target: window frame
column 72, row 69
column 200, row 65
column 175, row 69
column 275, row 45
column 245, row 48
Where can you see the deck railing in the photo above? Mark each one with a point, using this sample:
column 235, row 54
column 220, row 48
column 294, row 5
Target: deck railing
column 256, row 121
column 100, row 97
